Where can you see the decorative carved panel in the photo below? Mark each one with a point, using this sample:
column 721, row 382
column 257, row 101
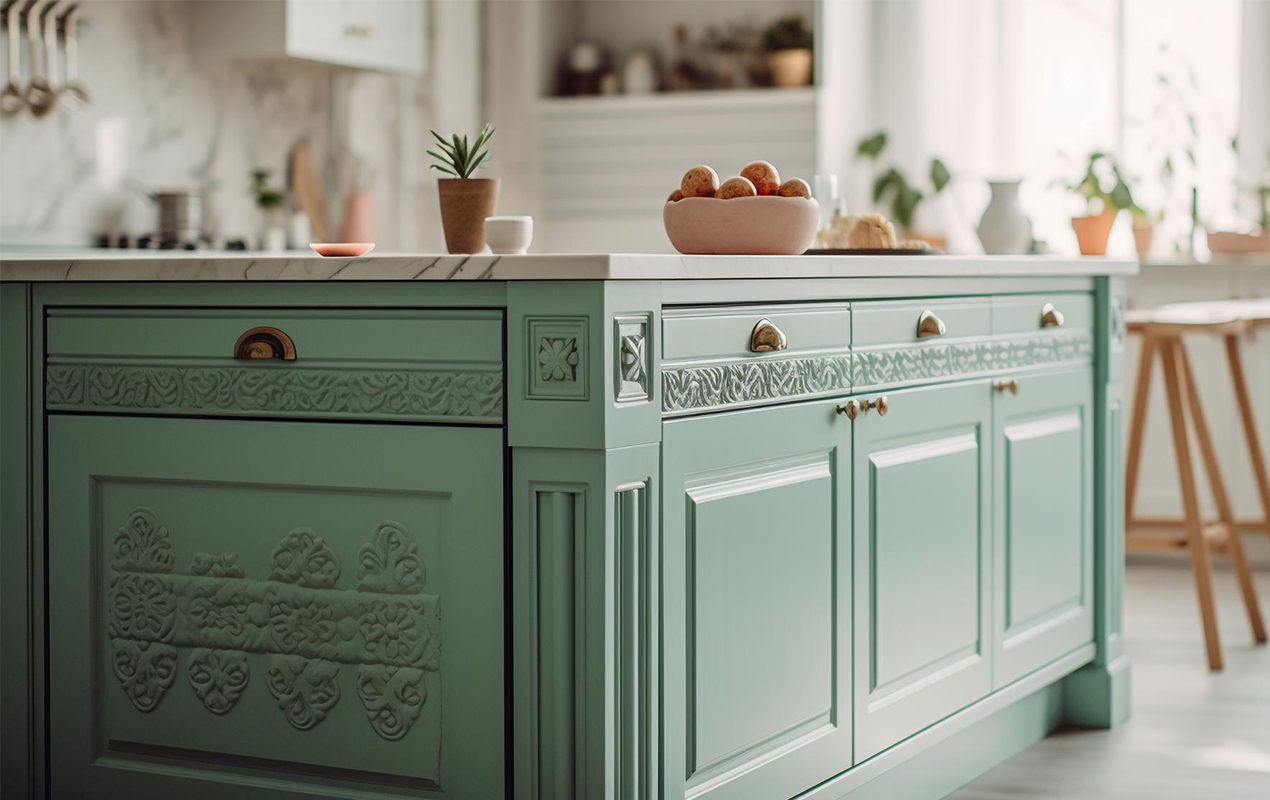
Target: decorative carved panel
column 299, row 619
column 633, row 357
column 557, row 358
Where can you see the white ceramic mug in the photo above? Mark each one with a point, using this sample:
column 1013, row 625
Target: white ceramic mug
column 508, row 235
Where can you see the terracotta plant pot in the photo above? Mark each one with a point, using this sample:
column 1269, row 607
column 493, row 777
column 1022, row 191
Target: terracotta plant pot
column 465, row 203
column 1092, row 233
column 790, row 67
column 1143, row 235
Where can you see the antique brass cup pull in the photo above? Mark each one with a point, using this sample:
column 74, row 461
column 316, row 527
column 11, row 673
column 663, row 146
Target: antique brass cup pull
column 1051, row 317
column 930, row 325
column 766, row 337
column 264, row 342
column 1002, row 386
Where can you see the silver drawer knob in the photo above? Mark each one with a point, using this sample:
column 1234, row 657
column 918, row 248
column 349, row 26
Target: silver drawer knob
column 1051, row 317
column 930, row 325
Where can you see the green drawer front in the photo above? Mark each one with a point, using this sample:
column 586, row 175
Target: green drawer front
column 707, row 363
column 896, row 323
column 406, row 365
column 981, row 337
column 1023, row 314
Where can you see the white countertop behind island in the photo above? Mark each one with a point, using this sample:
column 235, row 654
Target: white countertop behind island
column 195, row 266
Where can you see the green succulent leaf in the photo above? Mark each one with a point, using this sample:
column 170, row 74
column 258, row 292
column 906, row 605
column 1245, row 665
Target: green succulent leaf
column 872, row 146
column 905, row 206
column 459, row 157
column 939, row 175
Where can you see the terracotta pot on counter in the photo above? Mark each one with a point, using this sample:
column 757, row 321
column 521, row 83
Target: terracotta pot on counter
column 1092, row 232
column 465, row 203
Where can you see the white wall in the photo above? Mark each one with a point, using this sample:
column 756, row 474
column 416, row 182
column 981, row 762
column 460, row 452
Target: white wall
column 160, row 115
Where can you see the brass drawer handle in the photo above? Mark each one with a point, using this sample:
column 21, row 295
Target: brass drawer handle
column 766, row 337
column 851, row 409
column 930, row 325
column 264, row 342
column 854, row 408
column 1051, row 317
column 1001, row 386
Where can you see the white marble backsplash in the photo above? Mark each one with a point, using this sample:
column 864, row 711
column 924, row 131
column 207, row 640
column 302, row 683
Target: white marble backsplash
column 161, row 115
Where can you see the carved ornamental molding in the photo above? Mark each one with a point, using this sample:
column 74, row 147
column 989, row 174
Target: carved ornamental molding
column 475, row 395
column 691, row 389
column 304, row 625
column 881, row 367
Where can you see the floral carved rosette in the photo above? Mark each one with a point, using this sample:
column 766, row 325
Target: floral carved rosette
column 298, row 624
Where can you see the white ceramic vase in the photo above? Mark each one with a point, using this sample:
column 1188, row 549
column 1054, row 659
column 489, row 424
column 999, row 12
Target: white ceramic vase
column 1004, row 228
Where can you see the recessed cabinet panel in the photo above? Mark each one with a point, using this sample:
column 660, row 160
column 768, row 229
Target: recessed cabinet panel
column 316, row 604
column 757, row 589
column 1044, row 522
column 926, row 557
column 921, row 516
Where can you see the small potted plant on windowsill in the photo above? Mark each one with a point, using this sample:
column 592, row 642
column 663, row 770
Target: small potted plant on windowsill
column 1101, row 205
column 788, row 45
column 465, row 201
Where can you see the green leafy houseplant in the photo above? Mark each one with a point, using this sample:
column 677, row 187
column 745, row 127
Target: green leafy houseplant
column 458, row 159
column 1106, row 194
column 787, row 33
column 788, row 42
column 465, row 201
column 267, row 197
column 1093, row 187
column 894, row 188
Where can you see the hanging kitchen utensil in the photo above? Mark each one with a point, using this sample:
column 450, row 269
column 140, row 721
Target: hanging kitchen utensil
column 72, row 92
column 11, row 99
column 39, row 96
column 49, row 29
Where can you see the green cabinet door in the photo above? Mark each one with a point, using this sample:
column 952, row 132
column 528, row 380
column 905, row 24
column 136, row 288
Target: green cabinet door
column 756, row 593
column 1043, row 522
column 922, row 555
column 266, row 610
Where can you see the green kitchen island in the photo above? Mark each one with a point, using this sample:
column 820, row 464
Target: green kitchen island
column 555, row 527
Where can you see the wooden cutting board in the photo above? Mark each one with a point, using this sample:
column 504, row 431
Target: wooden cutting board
column 307, row 191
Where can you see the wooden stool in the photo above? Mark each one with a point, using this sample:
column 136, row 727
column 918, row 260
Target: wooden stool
column 1162, row 332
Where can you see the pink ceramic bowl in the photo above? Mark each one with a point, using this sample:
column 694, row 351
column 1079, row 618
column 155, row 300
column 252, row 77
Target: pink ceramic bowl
column 742, row 226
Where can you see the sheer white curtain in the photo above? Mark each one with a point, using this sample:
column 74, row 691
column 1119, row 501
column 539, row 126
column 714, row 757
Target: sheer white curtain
column 996, row 88
column 1027, row 88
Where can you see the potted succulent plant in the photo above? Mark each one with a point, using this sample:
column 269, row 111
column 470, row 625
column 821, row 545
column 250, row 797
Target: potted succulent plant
column 788, row 45
column 465, row 201
column 1101, row 204
column 273, row 236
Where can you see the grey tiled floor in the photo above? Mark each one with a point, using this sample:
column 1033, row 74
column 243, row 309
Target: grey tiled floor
column 1194, row 735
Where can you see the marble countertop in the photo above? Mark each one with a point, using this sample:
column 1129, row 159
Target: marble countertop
column 196, row 266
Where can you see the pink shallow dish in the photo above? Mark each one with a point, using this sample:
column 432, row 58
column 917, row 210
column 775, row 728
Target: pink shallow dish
column 742, row 226
column 343, row 249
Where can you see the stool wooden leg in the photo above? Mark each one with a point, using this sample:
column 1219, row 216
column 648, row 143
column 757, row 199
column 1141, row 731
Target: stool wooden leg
column 1137, row 423
column 1250, row 426
column 1234, row 545
column 1201, row 559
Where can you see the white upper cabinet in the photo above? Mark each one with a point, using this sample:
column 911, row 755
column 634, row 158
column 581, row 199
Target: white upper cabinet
column 386, row 35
